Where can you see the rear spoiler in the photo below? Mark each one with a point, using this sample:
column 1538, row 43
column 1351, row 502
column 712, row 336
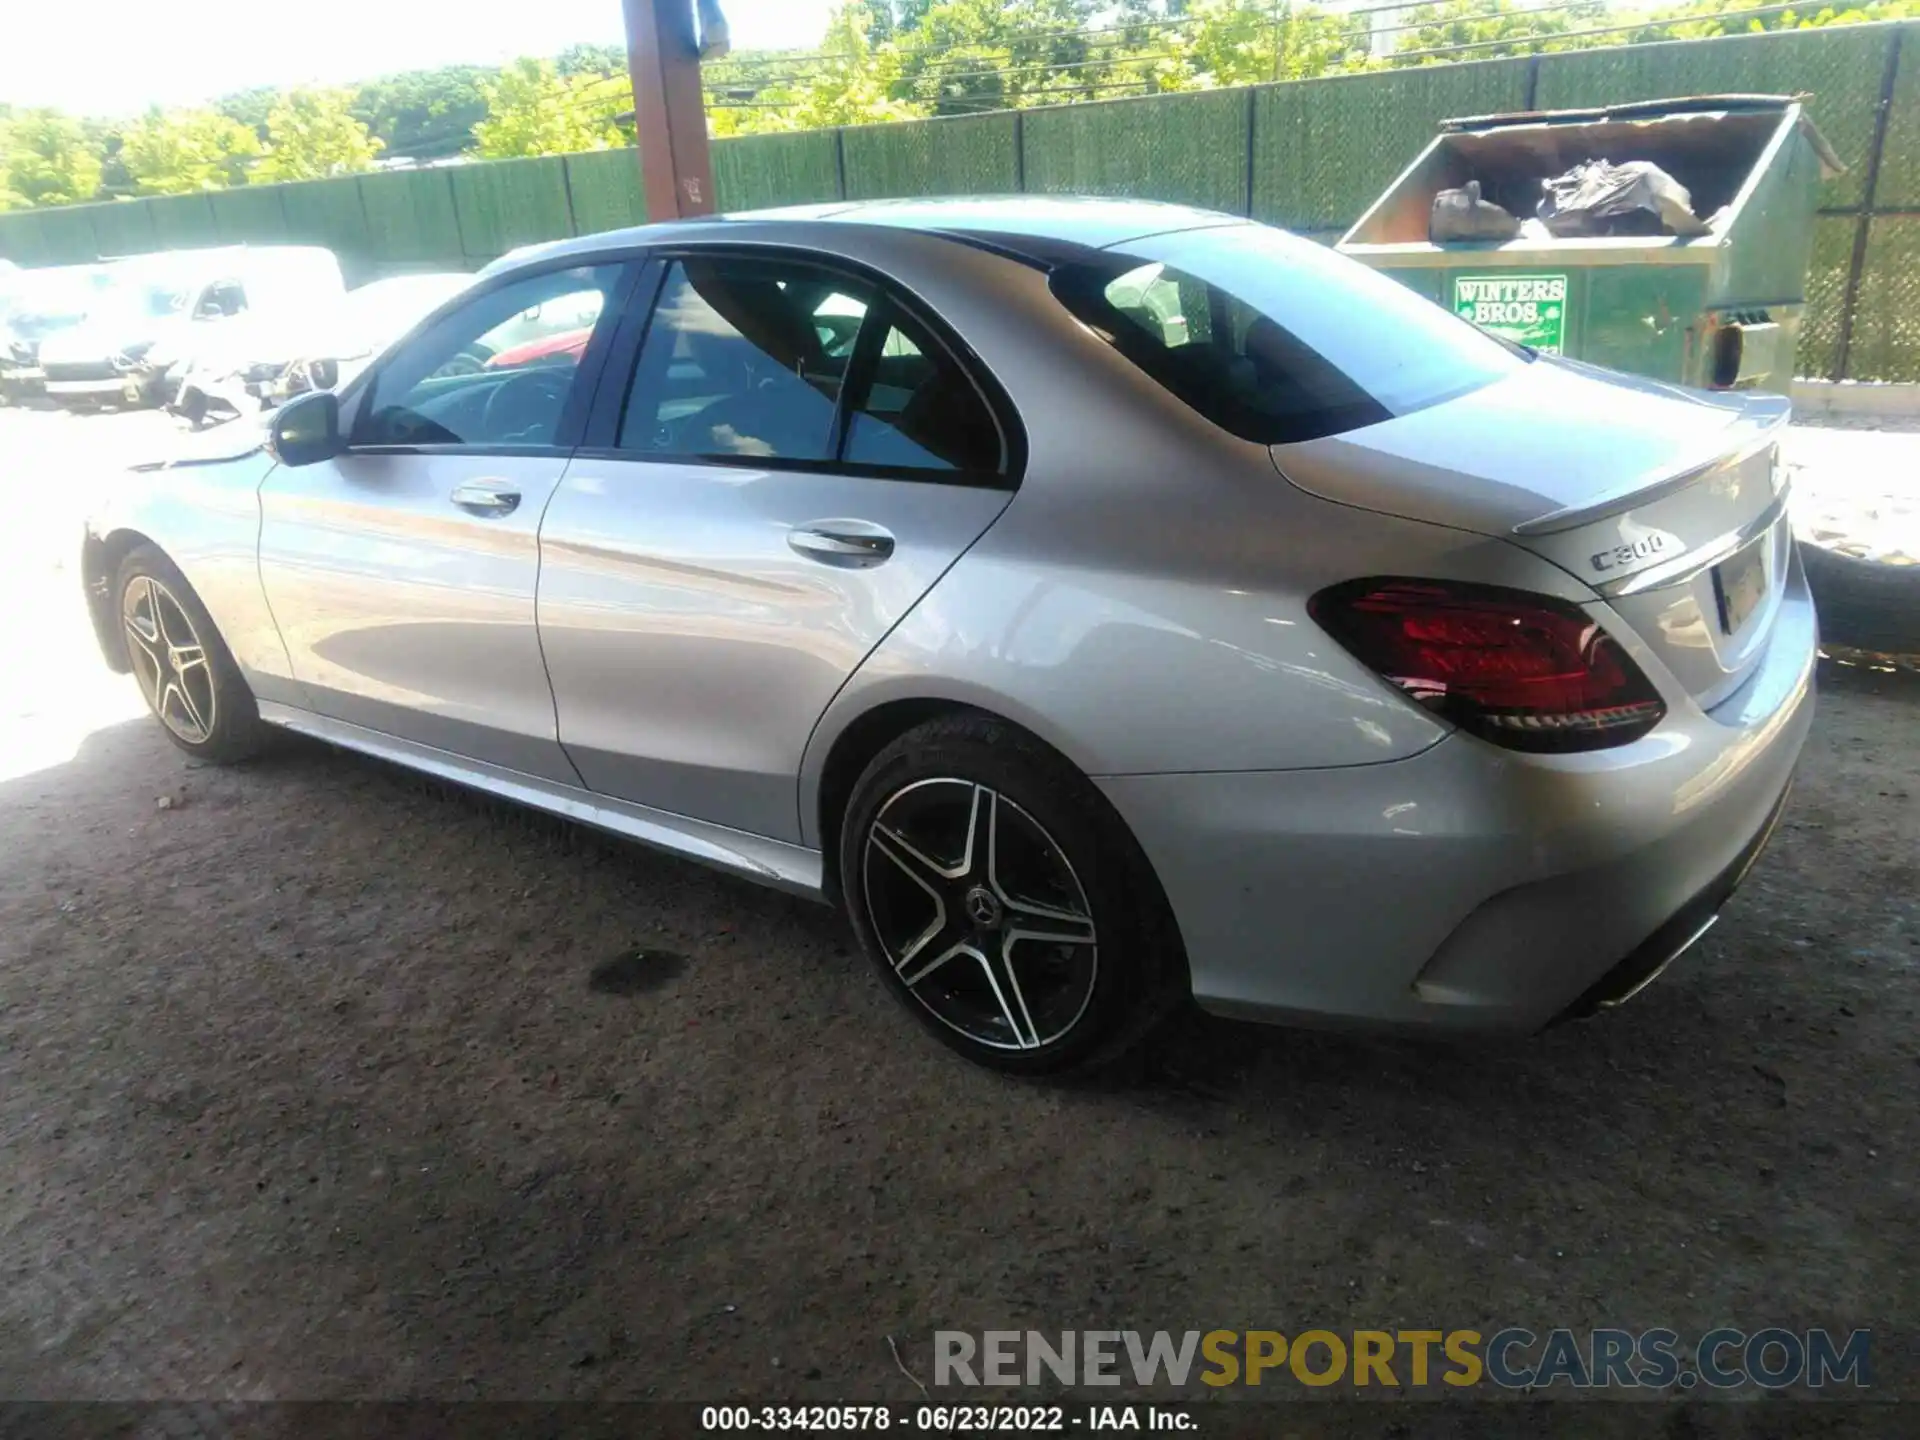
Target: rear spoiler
column 1762, row 421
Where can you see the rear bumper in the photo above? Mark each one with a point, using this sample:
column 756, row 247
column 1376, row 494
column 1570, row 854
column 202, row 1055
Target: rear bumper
column 1470, row 888
column 1653, row 955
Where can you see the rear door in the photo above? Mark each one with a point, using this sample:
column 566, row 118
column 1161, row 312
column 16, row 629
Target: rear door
column 402, row 573
column 789, row 460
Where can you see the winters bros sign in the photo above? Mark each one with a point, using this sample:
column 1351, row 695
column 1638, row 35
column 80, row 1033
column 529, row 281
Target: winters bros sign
column 1527, row 309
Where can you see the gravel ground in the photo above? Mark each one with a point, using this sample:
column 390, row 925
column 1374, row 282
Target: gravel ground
column 1858, row 490
column 325, row 1081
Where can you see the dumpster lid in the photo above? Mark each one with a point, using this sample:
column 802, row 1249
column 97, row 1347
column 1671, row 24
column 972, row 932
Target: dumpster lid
column 1830, row 163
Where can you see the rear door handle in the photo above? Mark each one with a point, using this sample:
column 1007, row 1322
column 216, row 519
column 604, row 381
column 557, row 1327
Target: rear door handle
column 850, row 543
column 486, row 497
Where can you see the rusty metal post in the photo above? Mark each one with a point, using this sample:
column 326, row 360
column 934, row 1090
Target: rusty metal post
column 669, row 111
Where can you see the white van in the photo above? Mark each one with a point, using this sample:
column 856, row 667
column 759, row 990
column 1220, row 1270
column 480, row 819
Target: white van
column 159, row 310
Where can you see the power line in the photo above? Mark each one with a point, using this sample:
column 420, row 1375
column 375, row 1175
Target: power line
column 1442, row 22
column 1023, row 37
column 587, row 105
column 1555, row 38
column 1266, row 14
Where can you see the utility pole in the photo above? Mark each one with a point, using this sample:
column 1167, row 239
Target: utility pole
column 664, row 50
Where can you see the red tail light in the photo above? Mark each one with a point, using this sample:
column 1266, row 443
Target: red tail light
column 1525, row 671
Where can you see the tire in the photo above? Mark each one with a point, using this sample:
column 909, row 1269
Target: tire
column 967, row 840
column 189, row 680
column 1862, row 603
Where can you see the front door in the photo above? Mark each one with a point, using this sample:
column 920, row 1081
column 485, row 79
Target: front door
column 797, row 461
column 402, row 573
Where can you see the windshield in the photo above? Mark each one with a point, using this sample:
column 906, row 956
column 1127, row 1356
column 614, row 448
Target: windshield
column 379, row 312
column 145, row 297
column 62, row 293
column 1274, row 338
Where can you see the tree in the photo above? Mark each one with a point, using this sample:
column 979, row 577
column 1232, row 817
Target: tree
column 855, row 77
column 1243, row 42
column 175, row 152
column 250, row 107
column 47, row 158
column 588, row 59
column 534, row 110
column 423, row 113
column 1496, row 27
column 313, row 136
column 1502, row 27
column 964, row 56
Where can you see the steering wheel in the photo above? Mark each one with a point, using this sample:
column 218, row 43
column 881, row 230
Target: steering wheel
column 526, row 406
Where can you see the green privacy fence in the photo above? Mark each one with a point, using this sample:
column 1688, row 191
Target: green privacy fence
column 1309, row 154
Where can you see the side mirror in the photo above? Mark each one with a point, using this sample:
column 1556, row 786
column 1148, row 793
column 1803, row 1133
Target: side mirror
column 306, row 430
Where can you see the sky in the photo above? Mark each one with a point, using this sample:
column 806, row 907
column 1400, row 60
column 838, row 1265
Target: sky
column 117, row 57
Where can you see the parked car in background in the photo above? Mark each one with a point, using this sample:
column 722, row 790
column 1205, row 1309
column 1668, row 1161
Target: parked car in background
column 1319, row 656
column 160, row 311
column 264, row 357
column 35, row 304
column 369, row 319
column 563, row 348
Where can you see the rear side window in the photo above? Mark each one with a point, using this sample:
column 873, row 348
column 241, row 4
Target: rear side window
column 763, row 359
column 1273, row 338
column 918, row 410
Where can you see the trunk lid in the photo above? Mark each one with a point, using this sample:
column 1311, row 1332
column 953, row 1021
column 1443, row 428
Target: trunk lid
column 1668, row 502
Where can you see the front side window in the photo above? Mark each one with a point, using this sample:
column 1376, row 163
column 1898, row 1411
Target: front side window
column 496, row 371
column 1274, row 338
column 771, row 360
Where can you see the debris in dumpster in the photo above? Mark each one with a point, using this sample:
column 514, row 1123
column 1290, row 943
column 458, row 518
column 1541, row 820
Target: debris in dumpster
column 1462, row 215
column 1637, row 197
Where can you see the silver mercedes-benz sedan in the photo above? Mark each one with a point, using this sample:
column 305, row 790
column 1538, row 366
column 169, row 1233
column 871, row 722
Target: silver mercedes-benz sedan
column 1105, row 602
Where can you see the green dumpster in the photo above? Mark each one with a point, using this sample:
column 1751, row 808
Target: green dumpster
column 1719, row 309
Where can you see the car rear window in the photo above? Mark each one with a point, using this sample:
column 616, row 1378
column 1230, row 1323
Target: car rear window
column 1274, row 338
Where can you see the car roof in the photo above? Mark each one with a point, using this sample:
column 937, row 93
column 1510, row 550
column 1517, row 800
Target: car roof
column 1049, row 221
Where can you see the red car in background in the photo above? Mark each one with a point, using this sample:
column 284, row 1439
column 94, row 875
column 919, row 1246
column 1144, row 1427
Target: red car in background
column 568, row 344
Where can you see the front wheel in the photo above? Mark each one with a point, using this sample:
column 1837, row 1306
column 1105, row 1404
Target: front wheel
column 189, row 681
column 1004, row 902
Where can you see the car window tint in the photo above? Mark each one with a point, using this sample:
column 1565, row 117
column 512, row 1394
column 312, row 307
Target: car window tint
column 743, row 359
column 1274, row 338
column 919, row 411
column 496, row 371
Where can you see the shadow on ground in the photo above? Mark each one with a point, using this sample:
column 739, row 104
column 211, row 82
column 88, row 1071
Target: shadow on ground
column 329, row 1081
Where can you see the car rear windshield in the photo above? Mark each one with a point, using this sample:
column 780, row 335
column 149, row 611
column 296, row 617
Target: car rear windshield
column 1274, row 338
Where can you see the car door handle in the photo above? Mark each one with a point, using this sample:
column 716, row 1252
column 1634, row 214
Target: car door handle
column 852, row 543
column 486, row 497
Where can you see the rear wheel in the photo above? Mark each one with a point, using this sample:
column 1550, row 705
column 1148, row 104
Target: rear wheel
column 1003, row 901
column 188, row 679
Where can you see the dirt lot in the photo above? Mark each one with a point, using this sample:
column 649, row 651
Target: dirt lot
column 328, row 1082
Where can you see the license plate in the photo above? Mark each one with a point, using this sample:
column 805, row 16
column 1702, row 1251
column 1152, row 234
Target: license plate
column 1740, row 584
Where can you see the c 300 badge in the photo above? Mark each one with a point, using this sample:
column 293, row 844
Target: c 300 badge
column 1619, row 557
